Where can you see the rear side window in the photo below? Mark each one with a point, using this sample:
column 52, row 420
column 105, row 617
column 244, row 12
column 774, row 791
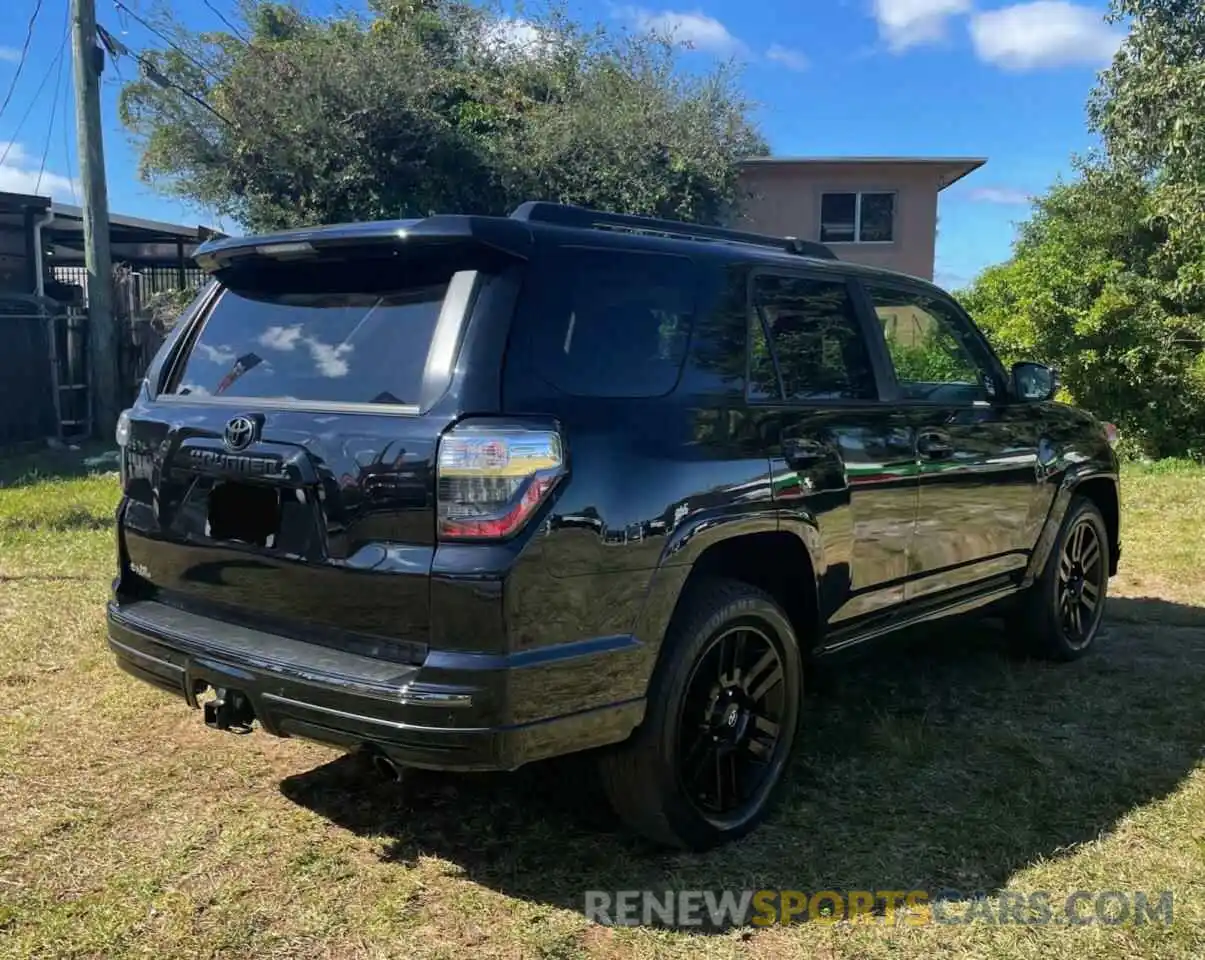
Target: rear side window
column 806, row 332
column 337, row 346
column 609, row 323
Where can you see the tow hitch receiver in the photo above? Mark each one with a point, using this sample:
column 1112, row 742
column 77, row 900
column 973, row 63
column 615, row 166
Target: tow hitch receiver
column 229, row 710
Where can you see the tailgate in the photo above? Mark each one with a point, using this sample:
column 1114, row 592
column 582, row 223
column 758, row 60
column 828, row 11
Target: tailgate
column 284, row 476
column 322, row 528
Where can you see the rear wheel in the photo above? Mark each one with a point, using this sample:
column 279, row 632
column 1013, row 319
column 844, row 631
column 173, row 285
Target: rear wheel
column 705, row 765
column 1060, row 615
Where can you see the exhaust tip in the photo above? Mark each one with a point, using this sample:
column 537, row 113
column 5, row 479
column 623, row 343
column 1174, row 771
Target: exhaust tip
column 386, row 767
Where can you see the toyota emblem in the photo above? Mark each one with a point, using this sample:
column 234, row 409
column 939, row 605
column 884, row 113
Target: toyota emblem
column 239, row 433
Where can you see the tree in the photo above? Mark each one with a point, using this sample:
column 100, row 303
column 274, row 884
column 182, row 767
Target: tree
column 1150, row 111
column 1107, row 278
column 1089, row 291
column 424, row 106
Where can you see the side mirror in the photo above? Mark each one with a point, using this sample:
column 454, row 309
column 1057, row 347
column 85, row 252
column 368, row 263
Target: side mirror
column 1034, row 381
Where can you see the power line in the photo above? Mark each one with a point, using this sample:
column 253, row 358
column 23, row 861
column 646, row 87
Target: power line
column 118, row 49
column 54, row 110
column 161, row 80
column 166, row 39
column 58, row 58
column 37, row 8
column 221, row 16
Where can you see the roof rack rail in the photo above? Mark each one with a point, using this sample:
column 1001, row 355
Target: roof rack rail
column 566, row 215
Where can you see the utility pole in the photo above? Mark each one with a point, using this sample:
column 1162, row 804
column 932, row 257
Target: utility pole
column 103, row 376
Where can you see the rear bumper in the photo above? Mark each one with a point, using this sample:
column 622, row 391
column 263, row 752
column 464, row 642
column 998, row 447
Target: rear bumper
column 452, row 712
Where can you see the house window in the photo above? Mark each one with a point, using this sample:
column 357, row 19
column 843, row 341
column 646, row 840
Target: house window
column 857, row 218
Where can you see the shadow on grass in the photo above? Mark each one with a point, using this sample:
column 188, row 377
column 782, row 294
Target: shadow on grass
column 25, row 469
column 940, row 763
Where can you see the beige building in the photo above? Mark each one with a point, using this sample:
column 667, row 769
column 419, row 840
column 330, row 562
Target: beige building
column 880, row 211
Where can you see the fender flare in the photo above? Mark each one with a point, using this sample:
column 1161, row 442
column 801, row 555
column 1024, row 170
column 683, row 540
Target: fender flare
column 1073, row 478
column 692, row 539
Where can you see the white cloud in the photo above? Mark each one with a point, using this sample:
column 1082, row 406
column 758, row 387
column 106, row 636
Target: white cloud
column 220, row 354
column 330, row 360
column 904, row 24
column 791, row 59
column 1045, row 33
column 693, row 29
column 515, row 37
column 19, row 174
column 10, row 54
column 280, row 338
column 1005, row 196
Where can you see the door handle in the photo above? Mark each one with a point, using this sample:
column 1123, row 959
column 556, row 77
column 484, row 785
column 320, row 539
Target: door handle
column 934, row 445
column 803, row 453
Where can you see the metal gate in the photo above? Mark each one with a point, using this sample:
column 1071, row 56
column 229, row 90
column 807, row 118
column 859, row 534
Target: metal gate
column 43, row 370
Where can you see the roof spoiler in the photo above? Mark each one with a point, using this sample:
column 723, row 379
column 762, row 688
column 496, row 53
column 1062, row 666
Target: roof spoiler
column 507, row 236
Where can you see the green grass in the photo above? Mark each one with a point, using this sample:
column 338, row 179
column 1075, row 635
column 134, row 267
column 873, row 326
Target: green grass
column 129, row 830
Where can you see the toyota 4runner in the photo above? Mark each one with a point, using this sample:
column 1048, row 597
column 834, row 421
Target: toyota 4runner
column 467, row 492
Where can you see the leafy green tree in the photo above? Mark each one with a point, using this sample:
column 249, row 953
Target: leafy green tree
column 1150, row 110
column 1089, row 291
column 1107, row 278
column 423, row 106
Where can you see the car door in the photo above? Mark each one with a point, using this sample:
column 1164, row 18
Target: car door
column 842, row 461
column 977, row 453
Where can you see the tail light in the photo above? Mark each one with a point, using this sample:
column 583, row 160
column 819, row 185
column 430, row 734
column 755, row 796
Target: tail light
column 492, row 478
column 1111, row 434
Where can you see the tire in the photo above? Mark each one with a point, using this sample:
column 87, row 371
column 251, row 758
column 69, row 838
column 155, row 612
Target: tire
column 728, row 683
column 1059, row 616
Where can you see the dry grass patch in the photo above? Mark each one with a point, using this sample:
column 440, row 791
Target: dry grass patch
column 130, row 830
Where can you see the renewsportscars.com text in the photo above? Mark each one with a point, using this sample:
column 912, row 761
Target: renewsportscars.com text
column 763, row 908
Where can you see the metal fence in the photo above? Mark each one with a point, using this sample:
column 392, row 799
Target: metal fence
column 44, row 352
column 148, row 280
column 43, row 373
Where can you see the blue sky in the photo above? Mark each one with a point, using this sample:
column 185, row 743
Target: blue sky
column 1006, row 81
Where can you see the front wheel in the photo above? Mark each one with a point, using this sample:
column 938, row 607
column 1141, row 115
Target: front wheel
column 723, row 708
column 1059, row 616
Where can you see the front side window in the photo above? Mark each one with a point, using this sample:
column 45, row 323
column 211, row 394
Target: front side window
column 930, row 347
column 857, row 217
column 806, row 343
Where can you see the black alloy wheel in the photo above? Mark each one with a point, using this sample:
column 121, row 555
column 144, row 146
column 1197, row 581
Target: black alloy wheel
column 730, row 726
column 1059, row 616
column 709, row 760
column 1081, row 582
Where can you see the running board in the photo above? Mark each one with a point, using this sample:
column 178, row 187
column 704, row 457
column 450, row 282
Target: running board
column 965, row 605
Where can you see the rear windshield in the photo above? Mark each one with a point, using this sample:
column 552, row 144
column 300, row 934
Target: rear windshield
column 342, row 346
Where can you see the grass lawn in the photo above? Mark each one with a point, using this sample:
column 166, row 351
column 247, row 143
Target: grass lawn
column 129, row 829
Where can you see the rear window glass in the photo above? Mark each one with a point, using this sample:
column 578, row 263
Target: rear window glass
column 607, row 323
column 321, row 346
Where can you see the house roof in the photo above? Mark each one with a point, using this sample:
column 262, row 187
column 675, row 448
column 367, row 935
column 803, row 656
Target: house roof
column 19, row 202
column 955, row 168
column 130, row 238
column 66, row 216
column 69, row 217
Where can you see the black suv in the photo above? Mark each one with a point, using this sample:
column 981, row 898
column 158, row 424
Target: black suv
column 466, row 492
